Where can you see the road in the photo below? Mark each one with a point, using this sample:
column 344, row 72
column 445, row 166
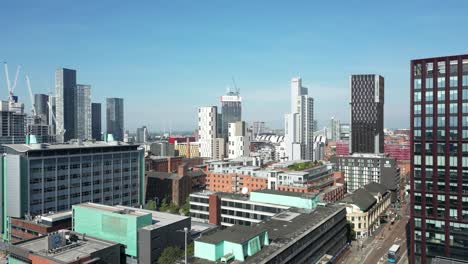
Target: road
column 375, row 248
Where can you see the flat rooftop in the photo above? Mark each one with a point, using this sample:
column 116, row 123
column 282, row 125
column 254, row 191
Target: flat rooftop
column 57, row 216
column 159, row 219
column 113, row 209
column 286, row 193
column 81, row 248
column 282, row 230
column 84, row 144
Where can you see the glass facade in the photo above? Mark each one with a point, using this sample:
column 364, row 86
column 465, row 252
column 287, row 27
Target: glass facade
column 439, row 108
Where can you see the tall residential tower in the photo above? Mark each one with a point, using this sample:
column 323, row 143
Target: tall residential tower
column 367, row 113
column 65, row 83
column 439, row 143
column 83, row 111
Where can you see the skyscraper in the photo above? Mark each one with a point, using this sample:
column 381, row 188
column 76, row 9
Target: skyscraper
column 231, row 110
column 65, row 84
column 333, row 131
column 367, row 113
column 439, row 143
column 83, row 111
column 299, row 124
column 142, row 135
column 42, row 109
column 239, row 140
column 115, row 117
column 96, row 120
column 210, row 145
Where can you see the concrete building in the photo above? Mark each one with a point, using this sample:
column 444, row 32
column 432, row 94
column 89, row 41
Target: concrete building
column 144, row 233
column 367, row 113
column 439, row 147
column 83, row 112
column 345, row 130
column 207, row 130
column 239, row 140
column 40, row 178
column 292, row 236
column 42, row 108
column 65, row 84
column 299, row 124
column 24, row 229
column 333, row 130
column 320, row 143
column 161, row 148
column 365, row 206
column 66, row 247
column 115, row 117
column 362, row 169
column 96, row 120
column 142, row 135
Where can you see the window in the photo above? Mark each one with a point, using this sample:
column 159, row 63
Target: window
column 453, row 121
column 441, row 82
column 417, row 121
column 429, row 96
column 441, row 96
column 429, row 122
column 453, row 94
column 453, row 108
column 465, row 80
column 429, row 83
column 441, row 121
column 465, row 94
column 417, row 109
column 453, row 81
column 429, row 109
column 417, row 84
column 440, row 108
column 417, row 96
column 464, row 120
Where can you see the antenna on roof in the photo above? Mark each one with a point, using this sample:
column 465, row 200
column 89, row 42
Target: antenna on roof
column 236, row 90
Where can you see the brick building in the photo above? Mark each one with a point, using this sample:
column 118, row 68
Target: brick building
column 24, row 229
column 174, row 187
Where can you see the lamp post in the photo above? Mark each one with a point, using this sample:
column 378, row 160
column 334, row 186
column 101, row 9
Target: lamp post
column 186, row 235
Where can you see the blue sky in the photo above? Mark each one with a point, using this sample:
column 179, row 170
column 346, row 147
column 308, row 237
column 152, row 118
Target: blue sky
column 166, row 58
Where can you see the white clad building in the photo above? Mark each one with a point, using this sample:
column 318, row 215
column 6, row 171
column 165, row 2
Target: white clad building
column 299, row 124
column 207, row 119
column 239, row 140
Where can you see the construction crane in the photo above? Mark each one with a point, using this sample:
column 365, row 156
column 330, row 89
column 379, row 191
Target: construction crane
column 236, row 90
column 7, row 77
column 33, row 105
column 58, row 131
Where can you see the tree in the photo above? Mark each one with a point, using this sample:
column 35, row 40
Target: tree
column 172, row 208
column 185, row 209
column 350, row 233
column 164, row 206
column 170, row 255
column 151, row 205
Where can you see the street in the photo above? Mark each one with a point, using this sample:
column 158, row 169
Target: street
column 375, row 248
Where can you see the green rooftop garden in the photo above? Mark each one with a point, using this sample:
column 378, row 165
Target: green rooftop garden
column 304, row 165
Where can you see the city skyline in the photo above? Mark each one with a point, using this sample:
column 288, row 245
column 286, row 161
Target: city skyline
column 148, row 51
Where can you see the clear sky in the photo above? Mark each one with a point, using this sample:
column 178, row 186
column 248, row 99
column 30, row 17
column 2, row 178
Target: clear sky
column 166, row 58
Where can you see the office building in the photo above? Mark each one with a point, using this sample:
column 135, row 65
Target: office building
column 367, row 113
column 299, row 124
column 83, row 112
column 231, row 110
column 66, row 247
column 40, row 178
column 42, row 108
column 320, row 143
column 142, row 135
column 115, row 117
column 52, row 113
column 96, row 120
column 144, row 233
column 65, row 84
column 161, row 148
column 439, row 146
column 362, row 169
column 239, row 140
column 292, row 235
column 187, row 149
column 333, row 131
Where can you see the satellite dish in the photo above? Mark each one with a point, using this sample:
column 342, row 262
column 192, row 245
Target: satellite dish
column 245, row 190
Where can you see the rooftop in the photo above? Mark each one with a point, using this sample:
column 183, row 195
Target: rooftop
column 285, row 193
column 361, row 198
column 160, row 219
column 80, row 249
column 114, row 209
column 84, row 144
column 237, row 234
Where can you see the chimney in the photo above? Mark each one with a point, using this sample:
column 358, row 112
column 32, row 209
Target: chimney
column 182, row 170
column 169, row 165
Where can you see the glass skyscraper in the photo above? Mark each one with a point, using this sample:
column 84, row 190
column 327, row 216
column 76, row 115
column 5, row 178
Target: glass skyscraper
column 115, row 117
column 65, row 84
column 83, row 111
